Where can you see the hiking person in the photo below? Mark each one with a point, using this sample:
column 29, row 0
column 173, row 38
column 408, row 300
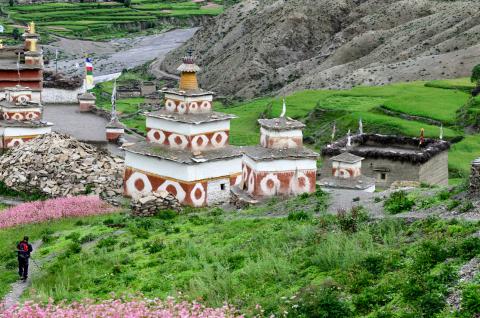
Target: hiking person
column 23, row 249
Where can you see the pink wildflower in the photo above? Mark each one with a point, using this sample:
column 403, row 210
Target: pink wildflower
column 40, row 211
column 116, row 308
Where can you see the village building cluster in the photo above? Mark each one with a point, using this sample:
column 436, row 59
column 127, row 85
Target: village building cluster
column 187, row 152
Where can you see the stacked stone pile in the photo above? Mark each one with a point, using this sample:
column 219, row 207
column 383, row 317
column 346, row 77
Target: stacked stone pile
column 150, row 203
column 58, row 165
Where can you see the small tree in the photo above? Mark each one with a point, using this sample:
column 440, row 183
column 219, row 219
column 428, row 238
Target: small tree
column 11, row 2
column 476, row 75
column 127, row 3
column 475, row 78
column 16, row 34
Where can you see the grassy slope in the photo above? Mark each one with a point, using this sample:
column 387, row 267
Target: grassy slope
column 361, row 102
column 124, row 105
column 10, row 237
column 378, row 268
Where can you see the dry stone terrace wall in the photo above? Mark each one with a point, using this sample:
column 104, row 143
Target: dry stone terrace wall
column 149, row 204
column 58, row 165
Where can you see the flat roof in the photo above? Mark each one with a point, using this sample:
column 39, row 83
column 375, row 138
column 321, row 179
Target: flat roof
column 183, row 156
column 259, row 153
column 281, row 123
column 391, row 147
column 359, row 183
column 188, row 93
column 24, row 124
column 197, row 118
column 347, row 158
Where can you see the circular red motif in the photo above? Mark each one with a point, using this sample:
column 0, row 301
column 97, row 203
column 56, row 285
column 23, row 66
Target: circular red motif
column 219, row 138
column 199, row 141
column 139, row 184
column 198, row 194
column 16, row 143
column 156, row 135
column 270, row 184
column 171, row 189
column 178, row 140
column 301, row 182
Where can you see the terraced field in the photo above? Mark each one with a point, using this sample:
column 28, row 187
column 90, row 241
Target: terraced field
column 436, row 100
column 99, row 21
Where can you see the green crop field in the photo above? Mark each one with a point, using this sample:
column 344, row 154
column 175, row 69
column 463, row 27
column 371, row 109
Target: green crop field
column 437, row 100
column 105, row 20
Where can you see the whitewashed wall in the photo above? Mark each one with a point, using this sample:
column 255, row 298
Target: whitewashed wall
column 61, row 96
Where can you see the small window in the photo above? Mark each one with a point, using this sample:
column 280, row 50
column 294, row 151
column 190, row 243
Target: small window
column 223, row 186
column 383, row 176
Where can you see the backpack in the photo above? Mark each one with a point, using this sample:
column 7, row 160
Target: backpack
column 23, row 249
column 24, row 246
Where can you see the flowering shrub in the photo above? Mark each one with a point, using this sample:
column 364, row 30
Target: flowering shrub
column 116, row 308
column 39, row 211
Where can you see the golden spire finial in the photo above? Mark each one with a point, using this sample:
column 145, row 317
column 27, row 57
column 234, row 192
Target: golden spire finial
column 188, row 72
column 31, row 27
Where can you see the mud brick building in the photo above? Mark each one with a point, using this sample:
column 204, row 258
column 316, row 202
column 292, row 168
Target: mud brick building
column 187, row 151
column 388, row 159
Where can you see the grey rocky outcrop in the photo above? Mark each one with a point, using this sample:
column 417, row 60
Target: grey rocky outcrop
column 58, row 165
column 150, row 203
column 261, row 47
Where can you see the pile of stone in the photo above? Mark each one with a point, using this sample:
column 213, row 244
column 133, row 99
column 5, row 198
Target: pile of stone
column 58, row 165
column 149, row 204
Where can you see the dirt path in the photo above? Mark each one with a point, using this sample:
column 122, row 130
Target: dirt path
column 115, row 55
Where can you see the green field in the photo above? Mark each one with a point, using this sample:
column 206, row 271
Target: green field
column 347, row 107
column 105, row 20
column 307, row 264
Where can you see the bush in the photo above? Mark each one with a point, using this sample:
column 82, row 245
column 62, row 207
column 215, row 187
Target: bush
column 87, row 238
column 11, row 264
column 349, row 222
column 320, row 301
column 398, row 202
column 154, row 246
column 471, row 300
column 453, row 204
column 167, row 214
column 466, row 207
column 108, row 243
column 74, row 237
column 298, row 216
column 73, row 248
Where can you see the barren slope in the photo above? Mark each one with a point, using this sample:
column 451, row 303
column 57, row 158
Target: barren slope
column 260, row 47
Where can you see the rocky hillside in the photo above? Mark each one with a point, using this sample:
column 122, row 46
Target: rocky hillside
column 277, row 46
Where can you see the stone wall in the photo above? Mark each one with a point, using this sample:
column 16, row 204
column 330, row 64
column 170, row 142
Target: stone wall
column 374, row 168
column 435, row 171
column 475, row 177
column 61, row 96
column 218, row 191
